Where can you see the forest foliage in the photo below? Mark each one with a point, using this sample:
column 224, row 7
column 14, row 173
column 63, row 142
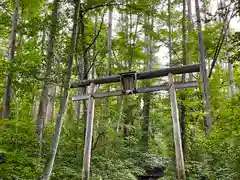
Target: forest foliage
column 131, row 134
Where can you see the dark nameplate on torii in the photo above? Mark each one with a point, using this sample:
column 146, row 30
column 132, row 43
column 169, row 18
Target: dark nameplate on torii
column 128, row 81
column 128, row 85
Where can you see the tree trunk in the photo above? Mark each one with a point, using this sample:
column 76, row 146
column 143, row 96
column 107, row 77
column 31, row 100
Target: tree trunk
column 126, row 130
column 94, row 45
column 109, row 41
column 35, row 107
column 49, row 59
column 189, row 59
column 190, row 27
column 169, row 33
column 232, row 88
column 183, row 96
column 7, row 93
column 108, row 73
column 85, row 60
column 50, row 105
column 146, row 96
column 208, row 120
column 55, row 141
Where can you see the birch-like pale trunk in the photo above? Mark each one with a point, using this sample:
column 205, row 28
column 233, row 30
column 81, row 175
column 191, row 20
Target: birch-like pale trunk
column 84, row 57
column 7, row 93
column 43, row 50
column 109, row 40
column 49, row 60
column 63, row 102
column 50, row 104
column 208, row 120
column 35, row 107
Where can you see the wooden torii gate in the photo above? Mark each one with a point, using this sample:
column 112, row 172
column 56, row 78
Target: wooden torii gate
column 128, row 86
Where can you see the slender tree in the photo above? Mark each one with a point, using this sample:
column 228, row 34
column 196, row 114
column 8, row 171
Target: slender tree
column 183, row 97
column 189, row 41
column 169, row 33
column 208, row 120
column 49, row 60
column 146, row 97
column 7, row 93
column 57, row 132
column 109, row 40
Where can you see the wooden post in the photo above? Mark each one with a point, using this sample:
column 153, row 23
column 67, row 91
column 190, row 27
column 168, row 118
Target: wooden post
column 176, row 130
column 88, row 135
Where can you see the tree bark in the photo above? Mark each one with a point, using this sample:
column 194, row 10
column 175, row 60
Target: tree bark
column 109, row 41
column 55, row 141
column 94, row 45
column 169, row 33
column 183, row 96
column 49, row 59
column 7, row 93
column 85, row 60
column 108, row 72
column 208, row 120
column 190, row 27
column 189, row 58
column 50, row 105
column 146, row 96
column 126, row 129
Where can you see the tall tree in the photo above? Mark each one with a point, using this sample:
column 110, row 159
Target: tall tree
column 189, row 41
column 184, row 62
column 208, row 120
column 146, row 96
column 109, row 40
column 7, row 93
column 232, row 87
column 169, row 33
column 84, row 57
column 57, row 132
column 49, row 61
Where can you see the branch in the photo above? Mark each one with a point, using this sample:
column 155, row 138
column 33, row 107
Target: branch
column 115, row 57
column 221, row 41
column 95, row 57
column 95, row 144
column 99, row 6
column 132, row 46
column 3, row 7
column 174, row 51
column 98, row 33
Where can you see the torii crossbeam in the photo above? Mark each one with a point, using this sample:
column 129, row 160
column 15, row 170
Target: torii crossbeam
column 128, row 86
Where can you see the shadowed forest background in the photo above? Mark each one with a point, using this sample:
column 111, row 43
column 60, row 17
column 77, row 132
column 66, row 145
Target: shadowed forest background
column 47, row 45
